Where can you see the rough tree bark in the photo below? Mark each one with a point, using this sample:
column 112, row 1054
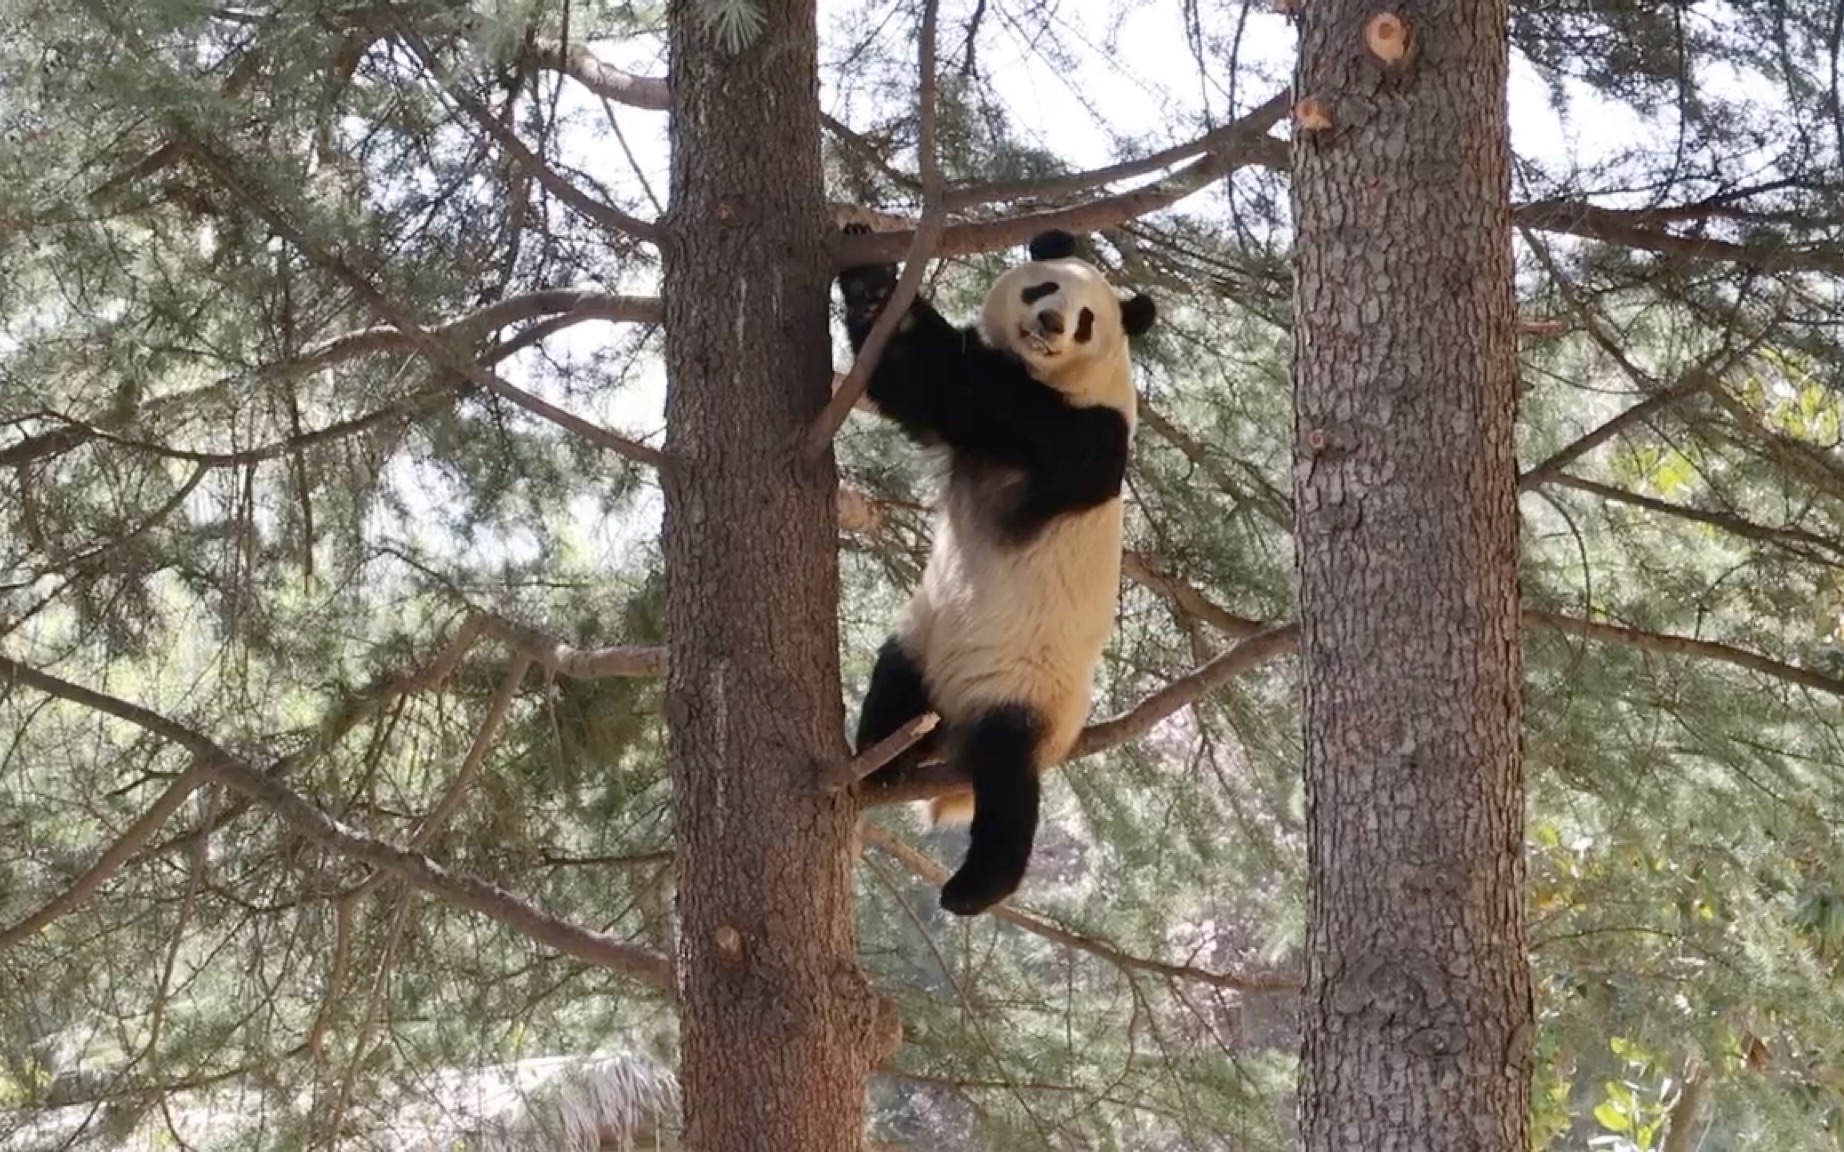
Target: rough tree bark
column 778, row 1027
column 1417, row 1009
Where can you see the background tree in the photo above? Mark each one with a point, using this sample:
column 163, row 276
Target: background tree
column 1417, row 1007
column 335, row 803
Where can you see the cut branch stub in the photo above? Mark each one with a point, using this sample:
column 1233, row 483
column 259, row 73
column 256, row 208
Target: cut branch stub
column 1312, row 114
column 1387, row 37
column 849, row 772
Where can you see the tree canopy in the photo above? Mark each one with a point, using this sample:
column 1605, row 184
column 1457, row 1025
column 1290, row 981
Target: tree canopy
column 331, row 613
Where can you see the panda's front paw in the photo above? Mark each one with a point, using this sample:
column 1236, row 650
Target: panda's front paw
column 866, row 289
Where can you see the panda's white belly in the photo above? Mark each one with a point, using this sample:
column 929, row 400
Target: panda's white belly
column 993, row 625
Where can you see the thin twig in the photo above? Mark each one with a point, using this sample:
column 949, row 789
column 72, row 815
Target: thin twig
column 305, row 818
column 848, row 772
column 915, row 262
column 922, row 865
column 238, row 184
column 113, row 858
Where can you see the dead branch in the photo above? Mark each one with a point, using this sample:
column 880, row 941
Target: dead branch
column 848, row 772
column 941, row 778
column 420, row 872
column 915, row 261
column 1252, row 651
column 919, row 863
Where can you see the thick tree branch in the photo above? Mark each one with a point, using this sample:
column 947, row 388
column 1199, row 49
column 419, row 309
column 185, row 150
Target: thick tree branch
column 1630, row 229
column 220, row 766
column 596, row 211
column 1247, row 144
column 223, row 169
column 573, row 303
column 915, row 261
column 560, row 659
column 940, row 778
column 1686, row 646
column 923, row 866
column 576, row 61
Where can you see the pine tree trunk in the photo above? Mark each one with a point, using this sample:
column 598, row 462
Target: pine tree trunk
column 1417, row 1012
column 776, row 1022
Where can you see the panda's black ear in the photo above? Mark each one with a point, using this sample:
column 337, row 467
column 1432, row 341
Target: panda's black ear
column 1055, row 244
column 1137, row 314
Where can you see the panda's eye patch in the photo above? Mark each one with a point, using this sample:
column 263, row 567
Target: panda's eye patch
column 1085, row 326
column 1037, row 292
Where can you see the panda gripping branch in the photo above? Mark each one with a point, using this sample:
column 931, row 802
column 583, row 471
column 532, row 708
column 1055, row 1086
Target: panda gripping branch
column 1034, row 409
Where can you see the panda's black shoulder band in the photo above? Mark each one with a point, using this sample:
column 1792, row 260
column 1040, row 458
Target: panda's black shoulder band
column 1053, row 244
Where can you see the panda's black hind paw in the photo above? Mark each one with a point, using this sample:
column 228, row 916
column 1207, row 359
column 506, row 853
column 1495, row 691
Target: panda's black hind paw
column 972, row 891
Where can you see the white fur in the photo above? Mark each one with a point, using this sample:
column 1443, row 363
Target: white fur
column 991, row 624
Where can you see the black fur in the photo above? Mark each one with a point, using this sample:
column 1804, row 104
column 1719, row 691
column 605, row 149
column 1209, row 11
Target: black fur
column 1137, row 314
column 896, row 696
column 1032, row 457
column 997, row 751
column 1054, row 244
column 945, row 386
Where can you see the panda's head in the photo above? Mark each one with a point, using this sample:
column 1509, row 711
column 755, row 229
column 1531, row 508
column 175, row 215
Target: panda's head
column 1059, row 315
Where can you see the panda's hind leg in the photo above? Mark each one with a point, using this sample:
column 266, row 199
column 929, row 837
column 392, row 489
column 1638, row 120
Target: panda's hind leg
column 998, row 751
column 896, row 696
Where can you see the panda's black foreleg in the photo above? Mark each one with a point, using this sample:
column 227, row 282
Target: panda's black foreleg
column 896, row 696
column 998, row 752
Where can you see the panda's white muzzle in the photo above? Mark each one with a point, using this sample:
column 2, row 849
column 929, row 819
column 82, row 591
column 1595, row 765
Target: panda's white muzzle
column 1044, row 335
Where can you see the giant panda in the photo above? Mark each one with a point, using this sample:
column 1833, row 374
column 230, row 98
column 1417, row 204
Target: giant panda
column 1034, row 409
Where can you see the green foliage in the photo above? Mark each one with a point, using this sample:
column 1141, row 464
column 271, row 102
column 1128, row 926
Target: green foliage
column 222, row 508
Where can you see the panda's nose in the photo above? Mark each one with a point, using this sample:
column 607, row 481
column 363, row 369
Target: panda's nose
column 1051, row 322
